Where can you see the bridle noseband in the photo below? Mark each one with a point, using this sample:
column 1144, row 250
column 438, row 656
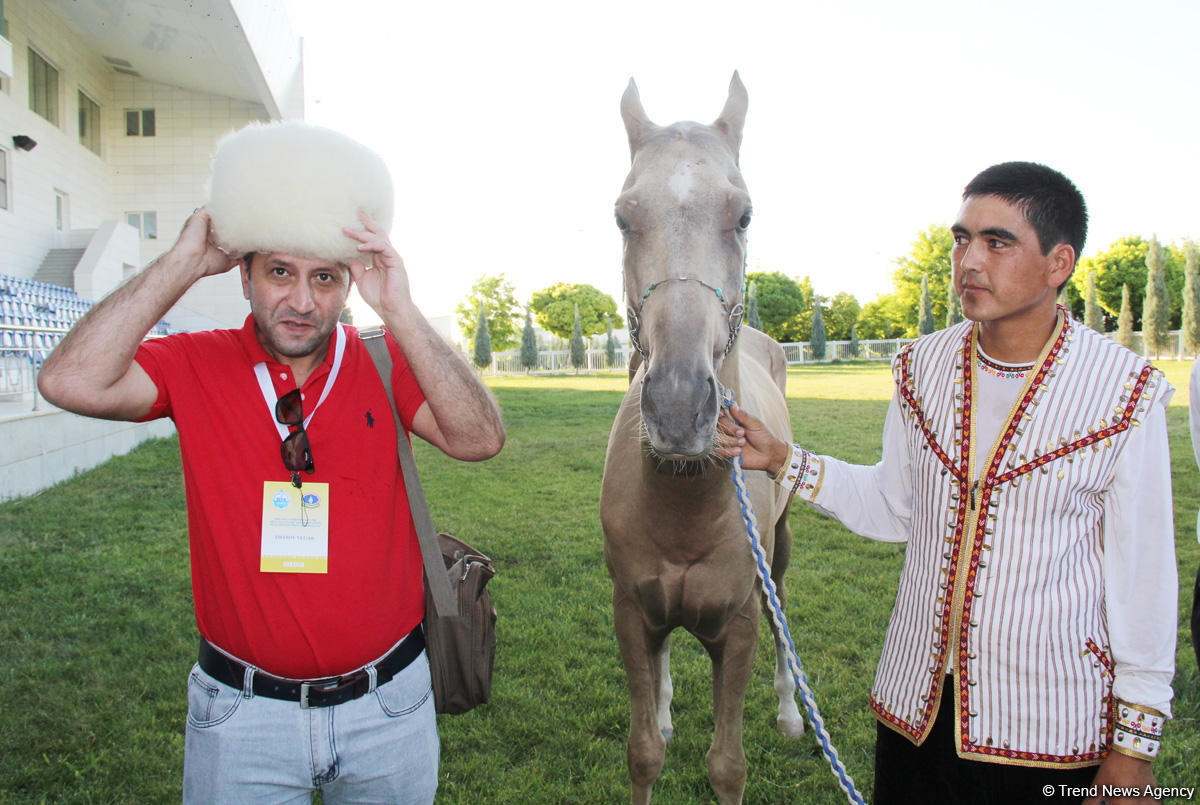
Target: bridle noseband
column 634, row 317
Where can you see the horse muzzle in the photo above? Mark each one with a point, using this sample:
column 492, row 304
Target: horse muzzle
column 680, row 413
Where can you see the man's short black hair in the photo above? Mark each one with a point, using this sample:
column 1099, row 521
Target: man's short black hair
column 1053, row 205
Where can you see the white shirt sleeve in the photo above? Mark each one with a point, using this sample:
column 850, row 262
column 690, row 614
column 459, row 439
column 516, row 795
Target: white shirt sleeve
column 871, row 500
column 1194, row 419
column 1194, row 408
column 1140, row 577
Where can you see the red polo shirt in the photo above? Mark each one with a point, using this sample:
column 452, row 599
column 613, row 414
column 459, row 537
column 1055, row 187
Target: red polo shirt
column 299, row 625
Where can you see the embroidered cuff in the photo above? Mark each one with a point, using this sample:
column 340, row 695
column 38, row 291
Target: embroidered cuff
column 802, row 473
column 1138, row 730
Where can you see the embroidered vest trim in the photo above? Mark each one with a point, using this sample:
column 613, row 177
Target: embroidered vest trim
column 973, row 503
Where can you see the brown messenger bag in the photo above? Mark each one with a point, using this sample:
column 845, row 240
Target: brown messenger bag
column 460, row 621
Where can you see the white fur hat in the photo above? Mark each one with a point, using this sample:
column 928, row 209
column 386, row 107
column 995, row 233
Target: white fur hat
column 291, row 187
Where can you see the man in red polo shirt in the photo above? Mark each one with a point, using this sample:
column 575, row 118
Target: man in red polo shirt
column 306, row 572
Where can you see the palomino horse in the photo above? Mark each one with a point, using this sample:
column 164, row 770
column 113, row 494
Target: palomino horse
column 674, row 539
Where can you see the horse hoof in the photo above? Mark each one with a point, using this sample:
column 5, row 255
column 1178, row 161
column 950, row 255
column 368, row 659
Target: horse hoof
column 791, row 727
column 669, row 732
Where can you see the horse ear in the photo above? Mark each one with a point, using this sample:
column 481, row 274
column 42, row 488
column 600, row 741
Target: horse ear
column 637, row 124
column 733, row 116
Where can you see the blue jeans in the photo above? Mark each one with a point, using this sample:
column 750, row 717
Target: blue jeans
column 379, row 748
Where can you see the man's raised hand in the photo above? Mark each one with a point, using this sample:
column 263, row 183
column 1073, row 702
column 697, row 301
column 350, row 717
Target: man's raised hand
column 383, row 286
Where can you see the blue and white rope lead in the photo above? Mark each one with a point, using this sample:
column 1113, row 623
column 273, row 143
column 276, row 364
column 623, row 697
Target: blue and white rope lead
column 764, row 574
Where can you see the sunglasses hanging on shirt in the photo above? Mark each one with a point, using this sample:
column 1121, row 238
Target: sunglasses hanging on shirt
column 295, row 450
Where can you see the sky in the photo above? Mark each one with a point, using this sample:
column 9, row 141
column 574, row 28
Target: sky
column 500, row 121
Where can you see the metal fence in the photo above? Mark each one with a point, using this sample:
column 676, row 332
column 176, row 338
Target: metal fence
column 797, row 353
column 22, row 351
column 559, row 360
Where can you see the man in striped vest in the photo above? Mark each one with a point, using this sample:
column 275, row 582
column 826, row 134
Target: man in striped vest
column 1025, row 465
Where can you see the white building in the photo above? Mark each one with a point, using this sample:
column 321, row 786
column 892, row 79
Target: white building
column 109, row 116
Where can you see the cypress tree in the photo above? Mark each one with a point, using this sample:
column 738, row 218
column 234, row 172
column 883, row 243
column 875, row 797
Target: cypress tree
column 1092, row 316
column 953, row 307
column 578, row 349
column 1191, row 299
column 752, row 317
column 818, row 334
column 482, row 349
column 853, row 340
column 529, row 348
column 1125, row 320
column 1156, row 309
column 610, row 344
column 925, row 324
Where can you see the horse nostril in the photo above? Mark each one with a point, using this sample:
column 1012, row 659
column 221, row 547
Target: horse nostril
column 708, row 409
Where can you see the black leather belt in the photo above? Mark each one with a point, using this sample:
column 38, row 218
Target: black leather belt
column 312, row 692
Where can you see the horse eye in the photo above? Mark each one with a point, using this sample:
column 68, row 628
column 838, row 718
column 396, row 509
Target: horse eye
column 622, row 224
column 744, row 221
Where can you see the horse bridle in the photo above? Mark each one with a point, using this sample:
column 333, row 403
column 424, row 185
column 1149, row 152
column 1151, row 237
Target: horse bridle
column 634, row 317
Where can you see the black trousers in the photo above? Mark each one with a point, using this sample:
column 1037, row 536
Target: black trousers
column 1196, row 618
column 933, row 772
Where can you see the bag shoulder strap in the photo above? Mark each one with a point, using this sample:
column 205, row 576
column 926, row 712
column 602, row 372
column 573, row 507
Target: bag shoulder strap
column 435, row 567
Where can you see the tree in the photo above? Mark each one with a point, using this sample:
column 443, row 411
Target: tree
column 1156, row 310
column 752, row 307
column 853, row 348
column 953, row 307
column 496, row 293
column 840, row 316
column 1073, row 300
column 481, row 350
column 818, row 334
column 555, row 309
column 929, row 258
column 346, row 316
column 1092, row 315
column 578, row 348
column 529, row 345
column 610, row 345
column 1190, row 314
column 882, row 317
column 1125, row 321
column 783, row 305
column 925, row 324
column 1124, row 263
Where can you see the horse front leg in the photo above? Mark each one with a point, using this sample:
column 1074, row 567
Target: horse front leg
column 640, row 652
column 666, row 691
column 732, row 659
column 788, row 721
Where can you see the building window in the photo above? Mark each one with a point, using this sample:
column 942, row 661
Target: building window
column 89, row 123
column 139, row 122
column 62, row 211
column 146, row 223
column 3, row 179
column 43, row 88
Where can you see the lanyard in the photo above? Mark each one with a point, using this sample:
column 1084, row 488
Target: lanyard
column 268, row 388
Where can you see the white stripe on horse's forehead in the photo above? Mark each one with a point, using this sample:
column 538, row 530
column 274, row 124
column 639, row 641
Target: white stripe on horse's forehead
column 682, row 181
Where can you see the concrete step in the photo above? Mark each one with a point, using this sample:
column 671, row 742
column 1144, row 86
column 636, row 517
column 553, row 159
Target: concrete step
column 59, row 267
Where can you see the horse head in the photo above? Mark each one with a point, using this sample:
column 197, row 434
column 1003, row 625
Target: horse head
column 683, row 214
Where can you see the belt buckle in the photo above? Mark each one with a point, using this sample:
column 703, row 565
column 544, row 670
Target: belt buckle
column 304, row 689
column 321, row 686
column 327, row 686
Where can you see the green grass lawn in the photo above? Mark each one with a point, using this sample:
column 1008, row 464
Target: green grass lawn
column 97, row 634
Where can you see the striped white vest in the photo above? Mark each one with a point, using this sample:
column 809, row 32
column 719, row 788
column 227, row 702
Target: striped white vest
column 1004, row 573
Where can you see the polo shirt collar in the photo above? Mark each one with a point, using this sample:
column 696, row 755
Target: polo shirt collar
column 255, row 353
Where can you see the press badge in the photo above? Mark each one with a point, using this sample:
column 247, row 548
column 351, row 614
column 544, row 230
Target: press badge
column 295, row 528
